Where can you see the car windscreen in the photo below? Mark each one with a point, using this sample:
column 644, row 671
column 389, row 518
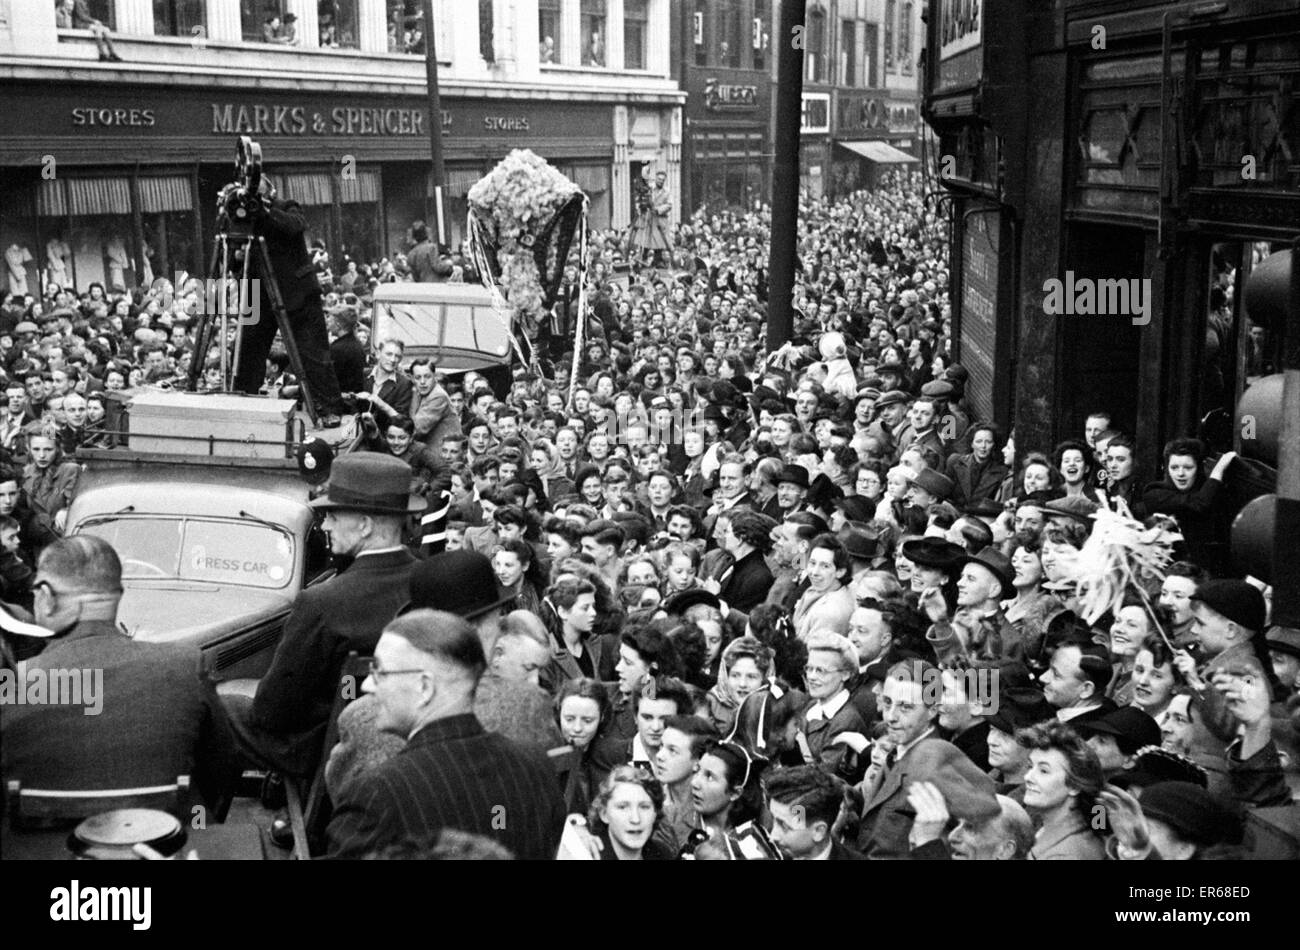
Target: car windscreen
column 243, row 553
column 443, row 326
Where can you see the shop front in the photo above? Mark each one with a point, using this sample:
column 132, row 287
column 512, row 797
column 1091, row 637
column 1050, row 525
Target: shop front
column 1160, row 162
column 873, row 133
column 118, row 185
column 726, row 112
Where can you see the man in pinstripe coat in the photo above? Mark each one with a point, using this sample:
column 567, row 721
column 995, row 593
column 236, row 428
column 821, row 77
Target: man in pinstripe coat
column 451, row 773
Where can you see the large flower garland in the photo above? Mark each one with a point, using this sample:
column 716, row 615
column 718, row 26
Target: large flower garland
column 513, row 206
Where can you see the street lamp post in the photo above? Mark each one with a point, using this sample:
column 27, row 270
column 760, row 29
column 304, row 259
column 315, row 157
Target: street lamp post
column 437, row 172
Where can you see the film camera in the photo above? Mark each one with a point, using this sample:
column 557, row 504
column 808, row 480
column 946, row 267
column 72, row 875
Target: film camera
column 250, row 192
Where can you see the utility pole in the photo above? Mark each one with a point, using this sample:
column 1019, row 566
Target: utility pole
column 789, row 41
column 438, row 173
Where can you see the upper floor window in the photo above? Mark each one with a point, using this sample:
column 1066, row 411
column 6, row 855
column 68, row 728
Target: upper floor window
column 406, row 28
column 266, row 21
column 339, row 22
column 549, row 27
column 815, row 48
column 891, row 10
column 871, row 55
column 905, row 38
column 486, row 32
column 67, row 17
column 636, row 17
column 729, row 33
column 179, row 18
column 594, row 18
column 700, row 29
column 761, row 37
column 848, row 53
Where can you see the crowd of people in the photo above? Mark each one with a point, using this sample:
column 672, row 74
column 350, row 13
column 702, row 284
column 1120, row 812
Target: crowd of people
column 771, row 602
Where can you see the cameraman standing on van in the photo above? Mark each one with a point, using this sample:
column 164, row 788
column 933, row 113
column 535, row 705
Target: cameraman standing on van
column 283, row 225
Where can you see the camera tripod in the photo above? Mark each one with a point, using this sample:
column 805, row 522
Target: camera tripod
column 239, row 244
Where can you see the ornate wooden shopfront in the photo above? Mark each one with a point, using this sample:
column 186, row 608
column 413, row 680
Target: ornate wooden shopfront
column 1119, row 141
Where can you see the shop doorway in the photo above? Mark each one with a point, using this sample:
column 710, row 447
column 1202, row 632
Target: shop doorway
column 1100, row 356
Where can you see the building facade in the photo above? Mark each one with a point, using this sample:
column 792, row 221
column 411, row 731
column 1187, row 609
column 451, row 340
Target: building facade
column 111, row 170
column 861, row 98
column 726, row 63
column 1091, row 141
column 861, row 95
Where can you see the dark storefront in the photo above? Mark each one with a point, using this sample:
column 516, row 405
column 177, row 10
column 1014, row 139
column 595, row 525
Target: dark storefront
column 726, row 115
column 873, row 133
column 1060, row 137
column 119, row 185
column 976, row 129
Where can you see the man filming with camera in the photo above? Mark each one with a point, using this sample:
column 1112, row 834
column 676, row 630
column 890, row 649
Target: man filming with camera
column 282, row 224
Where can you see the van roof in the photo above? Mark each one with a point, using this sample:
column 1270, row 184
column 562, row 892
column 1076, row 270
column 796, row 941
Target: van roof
column 410, row 292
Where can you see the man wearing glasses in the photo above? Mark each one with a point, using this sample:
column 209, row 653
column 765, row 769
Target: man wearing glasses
column 146, row 717
column 451, row 773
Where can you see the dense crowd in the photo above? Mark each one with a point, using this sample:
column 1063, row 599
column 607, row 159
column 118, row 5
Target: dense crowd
column 777, row 602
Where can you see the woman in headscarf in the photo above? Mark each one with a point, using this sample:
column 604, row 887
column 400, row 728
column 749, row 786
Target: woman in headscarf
column 746, row 666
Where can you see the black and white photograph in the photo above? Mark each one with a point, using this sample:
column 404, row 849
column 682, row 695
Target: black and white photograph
column 651, row 430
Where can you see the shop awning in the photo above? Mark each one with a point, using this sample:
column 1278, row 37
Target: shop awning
column 459, row 182
column 593, row 179
column 306, row 188
column 165, row 193
column 882, row 153
column 363, row 188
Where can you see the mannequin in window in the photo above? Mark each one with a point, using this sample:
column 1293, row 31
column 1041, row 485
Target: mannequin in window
column 57, row 253
column 546, row 49
column 118, row 262
column 147, row 265
column 16, row 258
column 596, row 53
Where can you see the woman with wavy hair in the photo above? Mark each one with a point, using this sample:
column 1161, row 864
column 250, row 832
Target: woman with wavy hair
column 1195, row 499
column 1155, row 677
column 1076, row 463
column 1131, row 627
column 728, row 798
column 1061, row 788
column 624, row 814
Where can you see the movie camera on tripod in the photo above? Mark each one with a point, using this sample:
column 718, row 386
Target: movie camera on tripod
column 240, row 257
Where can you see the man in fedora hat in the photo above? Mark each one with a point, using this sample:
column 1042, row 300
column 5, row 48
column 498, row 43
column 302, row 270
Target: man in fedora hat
column 366, row 507
column 791, row 489
column 982, row 585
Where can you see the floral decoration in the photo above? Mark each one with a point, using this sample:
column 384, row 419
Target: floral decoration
column 513, row 205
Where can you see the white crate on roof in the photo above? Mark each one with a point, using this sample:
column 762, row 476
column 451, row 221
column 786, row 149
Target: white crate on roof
column 223, row 424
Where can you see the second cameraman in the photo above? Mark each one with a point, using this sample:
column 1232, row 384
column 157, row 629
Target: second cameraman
column 283, row 226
